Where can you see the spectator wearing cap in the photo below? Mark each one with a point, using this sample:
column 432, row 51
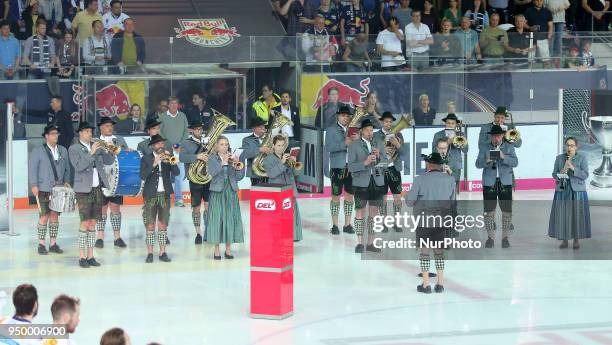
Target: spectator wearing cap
column 454, row 154
column 326, row 115
column 292, row 113
column 174, row 129
column 389, row 46
column 128, row 47
column 468, row 39
column 319, row 46
column 113, row 20
column 540, row 21
column 424, row 114
column 252, row 146
column 82, row 22
column 39, row 52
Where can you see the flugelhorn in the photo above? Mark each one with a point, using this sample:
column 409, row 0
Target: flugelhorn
column 236, row 164
column 512, row 134
column 110, row 148
column 294, row 164
column 168, row 158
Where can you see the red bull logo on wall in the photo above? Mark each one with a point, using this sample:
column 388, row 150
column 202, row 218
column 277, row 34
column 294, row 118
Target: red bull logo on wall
column 112, row 101
column 206, row 32
column 346, row 93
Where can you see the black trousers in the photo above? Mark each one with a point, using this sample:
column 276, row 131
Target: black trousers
column 495, row 193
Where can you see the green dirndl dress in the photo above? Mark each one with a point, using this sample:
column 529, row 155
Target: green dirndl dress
column 297, row 221
column 224, row 217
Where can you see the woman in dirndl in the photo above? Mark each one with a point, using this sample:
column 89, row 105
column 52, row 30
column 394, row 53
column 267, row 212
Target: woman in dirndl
column 570, row 216
column 224, row 217
column 280, row 172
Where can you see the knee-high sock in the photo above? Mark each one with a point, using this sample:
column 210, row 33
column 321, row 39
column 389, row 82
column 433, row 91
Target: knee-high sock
column 82, row 239
column 370, row 225
column 162, row 236
column 150, row 240
column 334, row 207
column 42, row 231
column 195, row 217
column 53, row 230
column 359, row 225
column 101, row 223
column 383, row 207
column 424, row 261
column 91, row 238
column 506, row 224
column 116, row 221
column 397, row 208
column 439, row 259
column 489, row 220
column 348, row 208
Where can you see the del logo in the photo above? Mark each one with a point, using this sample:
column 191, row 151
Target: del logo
column 286, row 204
column 206, row 32
column 265, row 205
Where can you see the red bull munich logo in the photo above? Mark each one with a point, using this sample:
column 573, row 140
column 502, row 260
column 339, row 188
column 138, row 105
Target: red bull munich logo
column 206, row 32
column 112, row 101
column 346, row 93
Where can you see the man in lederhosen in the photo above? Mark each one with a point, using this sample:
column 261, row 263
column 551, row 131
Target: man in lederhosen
column 48, row 167
column 432, row 194
column 88, row 160
column 368, row 180
column 393, row 175
column 497, row 159
column 252, row 147
column 114, row 202
column 499, row 118
column 337, row 142
column 158, row 176
column 199, row 192
column 152, row 126
column 453, row 154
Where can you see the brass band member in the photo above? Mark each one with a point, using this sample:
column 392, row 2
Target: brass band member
column 432, row 194
column 363, row 156
column 570, row 217
column 252, row 147
column 114, row 202
column 224, row 216
column 88, row 161
column 280, row 167
column 189, row 154
column 393, row 175
column 152, row 126
column 48, row 167
column 158, row 174
column 453, row 154
column 499, row 118
column 337, row 142
column 497, row 159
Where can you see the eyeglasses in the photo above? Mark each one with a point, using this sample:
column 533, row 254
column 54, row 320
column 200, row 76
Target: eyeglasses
column 571, row 145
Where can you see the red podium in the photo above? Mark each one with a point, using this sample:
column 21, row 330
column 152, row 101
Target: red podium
column 271, row 251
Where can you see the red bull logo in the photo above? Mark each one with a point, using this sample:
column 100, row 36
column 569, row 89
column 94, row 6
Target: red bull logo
column 346, row 93
column 206, row 32
column 112, row 101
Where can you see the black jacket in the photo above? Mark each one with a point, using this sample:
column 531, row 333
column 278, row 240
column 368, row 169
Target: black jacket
column 150, row 175
column 63, row 120
column 295, row 118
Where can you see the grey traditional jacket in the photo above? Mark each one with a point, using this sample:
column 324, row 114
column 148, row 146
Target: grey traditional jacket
column 357, row 153
column 502, row 168
column 250, row 146
column 454, row 156
column 431, row 193
column 188, row 155
column 483, row 137
column 381, row 138
column 215, row 169
column 578, row 176
column 84, row 164
column 40, row 171
column 335, row 137
column 279, row 172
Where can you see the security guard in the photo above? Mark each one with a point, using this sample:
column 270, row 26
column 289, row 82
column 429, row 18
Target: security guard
column 453, row 154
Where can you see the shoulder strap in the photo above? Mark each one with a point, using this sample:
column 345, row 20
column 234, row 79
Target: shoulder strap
column 48, row 152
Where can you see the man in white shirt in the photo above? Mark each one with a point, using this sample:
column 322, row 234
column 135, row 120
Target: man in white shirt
column 418, row 40
column 290, row 112
column 25, row 300
column 389, row 46
column 113, row 20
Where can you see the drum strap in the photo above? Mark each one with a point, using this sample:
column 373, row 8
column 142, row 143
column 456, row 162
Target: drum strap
column 52, row 164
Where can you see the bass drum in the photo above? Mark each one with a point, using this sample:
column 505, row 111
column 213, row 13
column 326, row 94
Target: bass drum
column 63, row 199
column 124, row 175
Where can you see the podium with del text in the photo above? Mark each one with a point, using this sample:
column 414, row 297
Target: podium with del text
column 271, row 251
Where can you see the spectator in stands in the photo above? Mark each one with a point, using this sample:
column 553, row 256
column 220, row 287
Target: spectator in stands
column 10, row 52
column 277, row 6
column 596, row 18
column 586, row 55
column 162, row 108
column 267, row 101
column 82, row 23
column 500, row 7
column 174, row 129
column 389, row 46
column 386, row 10
column 404, row 14
column 113, row 20
column 96, row 50
column 319, row 46
column 573, row 60
column 423, row 115
column 67, row 55
column 71, row 8
column 200, row 111
column 519, row 41
column 429, row 16
column 25, row 301
column 356, row 54
column 372, row 107
column 446, row 48
column 331, row 13
column 558, row 8
column 494, row 41
column 115, row 336
column 62, row 120
column 418, row 40
column 104, row 6
column 134, row 122
column 520, row 6
column 52, row 10
column 128, row 47
column 453, row 14
column 39, row 52
column 4, row 9
column 26, row 26
column 352, row 22
column 292, row 113
column 66, row 311
column 468, row 38
column 326, row 115
column 298, row 13
column 479, row 18
column 540, row 21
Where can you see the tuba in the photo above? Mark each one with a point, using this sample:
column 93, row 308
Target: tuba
column 512, row 135
column 197, row 172
column 278, row 121
column 460, row 141
column 390, row 150
column 359, row 115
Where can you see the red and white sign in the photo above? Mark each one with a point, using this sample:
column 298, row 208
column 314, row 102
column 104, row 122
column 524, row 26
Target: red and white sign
column 206, row 32
column 265, row 205
column 287, row 203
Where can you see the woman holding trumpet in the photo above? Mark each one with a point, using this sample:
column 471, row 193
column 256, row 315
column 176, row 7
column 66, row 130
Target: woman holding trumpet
column 282, row 168
column 570, row 216
column 224, row 217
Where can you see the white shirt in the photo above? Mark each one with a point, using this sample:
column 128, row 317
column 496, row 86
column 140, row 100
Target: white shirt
column 414, row 34
column 96, row 178
column 345, row 133
column 160, row 181
column 287, row 129
column 108, row 139
column 390, row 43
column 112, row 24
column 368, row 144
column 13, row 321
column 54, row 152
column 171, row 115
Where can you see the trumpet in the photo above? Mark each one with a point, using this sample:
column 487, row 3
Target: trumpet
column 110, row 148
column 236, row 164
column 294, row 164
column 168, row 158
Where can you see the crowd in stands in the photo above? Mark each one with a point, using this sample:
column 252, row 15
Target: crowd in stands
column 418, row 34
column 43, row 38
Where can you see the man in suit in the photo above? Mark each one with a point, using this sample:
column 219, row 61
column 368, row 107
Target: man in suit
column 499, row 118
column 453, row 154
column 152, row 126
column 62, row 120
column 114, row 202
column 88, row 160
column 48, row 167
column 393, row 175
column 158, row 176
column 364, row 155
column 290, row 112
column 252, row 147
column 199, row 192
column 497, row 159
column 336, row 144
column 432, row 194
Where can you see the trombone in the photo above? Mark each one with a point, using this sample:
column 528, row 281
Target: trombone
column 110, row 148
